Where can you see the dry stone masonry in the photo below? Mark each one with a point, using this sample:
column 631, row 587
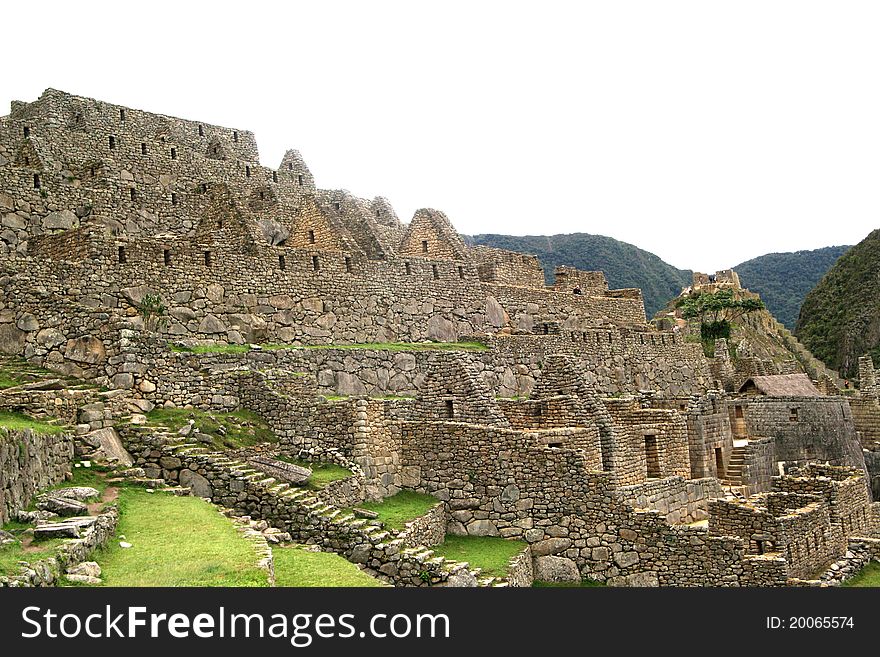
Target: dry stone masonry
column 153, row 262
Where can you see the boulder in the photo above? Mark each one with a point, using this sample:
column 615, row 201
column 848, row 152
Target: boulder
column 50, row 337
column 441, row 329
column 86, row 349
column 80, row 493
column 482, row 528
column 86, row 568
column 556, row 569
column 212, row 324
column 134, row 295
column 61, row 505
column 107, row 446
column 349, row 384
column 14, row 221
column 199, row 486
column 274, row 232
column 6, row 538
column 27, row 322
column 12, row 339
column 495, row 313
column 215, row 292
column 62, row 220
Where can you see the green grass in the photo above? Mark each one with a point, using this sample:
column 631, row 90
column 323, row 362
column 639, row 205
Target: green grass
column 8, row 379
column 322, row 473
column 16, row 421
column 297, row 567
column 177, row 541
column 92, row 477
column 12, row 553
column 242, row 428
column 490, row 553
column 869, row 576
column 399, row 509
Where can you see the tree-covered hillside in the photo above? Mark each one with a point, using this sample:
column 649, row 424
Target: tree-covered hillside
column 840, row 317
column 784, row 279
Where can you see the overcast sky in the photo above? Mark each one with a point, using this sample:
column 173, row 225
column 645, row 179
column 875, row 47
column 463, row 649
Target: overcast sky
column 706, row 132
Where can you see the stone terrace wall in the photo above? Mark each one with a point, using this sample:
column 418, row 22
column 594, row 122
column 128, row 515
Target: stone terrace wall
column 680, row 501
column 806, row 428
column 428, row 529
column 30, row 462
column 615, row 361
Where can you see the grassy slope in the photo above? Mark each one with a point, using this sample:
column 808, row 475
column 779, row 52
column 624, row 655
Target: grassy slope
column 870, row 576
column 487, row 552
column 297, row 567
column 177, row 541
column 242, row 428
column 399, row 509
column 12, row 420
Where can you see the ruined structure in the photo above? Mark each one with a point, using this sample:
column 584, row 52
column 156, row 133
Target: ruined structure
column 554, row 414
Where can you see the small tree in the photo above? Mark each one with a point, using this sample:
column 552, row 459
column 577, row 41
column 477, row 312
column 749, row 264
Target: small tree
column 716, row 311
column 153, row 311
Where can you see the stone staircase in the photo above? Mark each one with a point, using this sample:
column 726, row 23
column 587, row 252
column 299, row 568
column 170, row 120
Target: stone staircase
column 734, row 471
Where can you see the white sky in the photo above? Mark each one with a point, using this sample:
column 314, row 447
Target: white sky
column 706, row 132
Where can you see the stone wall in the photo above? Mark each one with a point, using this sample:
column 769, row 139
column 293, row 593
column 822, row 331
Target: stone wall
column 805, row 428
column 428, row 529
column 759, row 465
column 678, row 500
column 49, row 572
column 30, row 462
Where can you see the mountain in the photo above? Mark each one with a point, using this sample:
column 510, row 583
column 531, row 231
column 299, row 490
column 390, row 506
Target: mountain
column 784, row 279
column 840, row 318
column 624, row 265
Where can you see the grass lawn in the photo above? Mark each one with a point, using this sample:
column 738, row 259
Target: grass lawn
column 297, row 567
column 12, row 553
column 229, row 430
column 490, row 553
column 322, row 473
column 12, row 420
column 869, row 576
column 177, row 541
column 8, row 379
column 398, row 510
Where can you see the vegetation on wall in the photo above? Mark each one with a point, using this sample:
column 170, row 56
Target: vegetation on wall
column 716, row 311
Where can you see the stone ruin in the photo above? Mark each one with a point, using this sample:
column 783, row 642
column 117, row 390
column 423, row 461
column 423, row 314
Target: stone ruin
column 554, row 414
